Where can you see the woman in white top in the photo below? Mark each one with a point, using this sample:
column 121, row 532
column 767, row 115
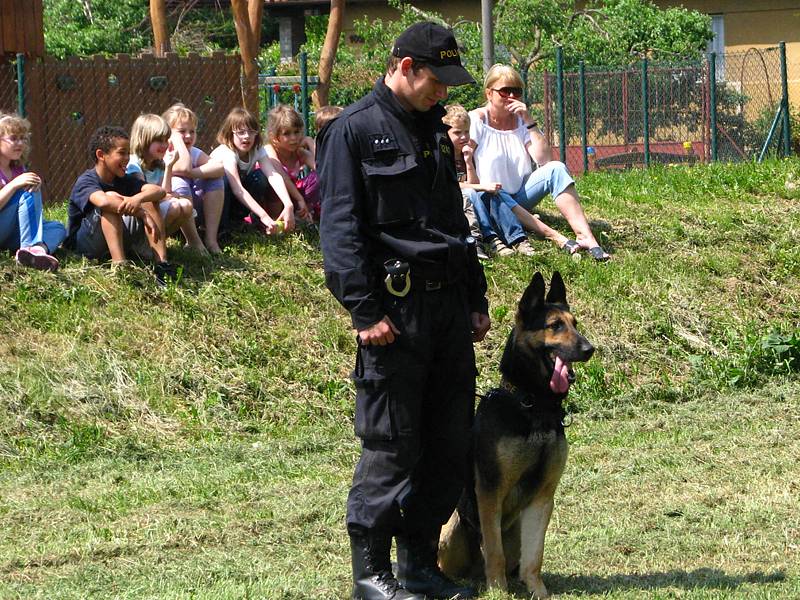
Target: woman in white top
column 508, row 139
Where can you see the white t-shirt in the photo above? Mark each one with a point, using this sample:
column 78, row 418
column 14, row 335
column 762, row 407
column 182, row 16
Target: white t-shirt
column 257, row 155
column 501, row 156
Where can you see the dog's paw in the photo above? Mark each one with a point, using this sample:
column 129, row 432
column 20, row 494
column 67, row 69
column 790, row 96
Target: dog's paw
column 536, row 587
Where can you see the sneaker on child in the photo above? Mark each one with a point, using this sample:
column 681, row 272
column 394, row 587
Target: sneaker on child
column 524, row 247
column 35, row 257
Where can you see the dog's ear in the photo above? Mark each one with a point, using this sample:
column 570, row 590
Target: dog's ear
column 533, row 298
column 557, row 293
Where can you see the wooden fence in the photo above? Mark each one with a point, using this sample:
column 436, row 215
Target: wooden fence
column 21, row 28
column 66, row 101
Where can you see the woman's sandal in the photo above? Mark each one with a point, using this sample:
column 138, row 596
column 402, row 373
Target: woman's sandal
column 598, row 254
column 571, row 247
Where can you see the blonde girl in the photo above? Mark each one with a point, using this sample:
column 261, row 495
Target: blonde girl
column 155, row 153
column 22, row 228
column 294, row 153
column 251, row 176
column 202, row 182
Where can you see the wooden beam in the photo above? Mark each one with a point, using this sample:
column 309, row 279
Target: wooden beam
column 241, row 19
column 328, row 55
column 158, row 19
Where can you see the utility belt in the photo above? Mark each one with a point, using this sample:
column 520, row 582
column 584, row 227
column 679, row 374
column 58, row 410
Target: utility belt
column 400, row 277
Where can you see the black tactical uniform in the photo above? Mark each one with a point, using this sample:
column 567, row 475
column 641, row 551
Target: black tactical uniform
column 391, row 205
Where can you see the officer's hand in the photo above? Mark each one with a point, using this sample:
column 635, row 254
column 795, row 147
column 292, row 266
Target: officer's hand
column 480, row 326
column 380, row 334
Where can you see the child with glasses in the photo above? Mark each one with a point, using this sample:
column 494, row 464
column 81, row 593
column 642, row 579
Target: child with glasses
column 202, row 180
column 251, row 176
column 22, row 228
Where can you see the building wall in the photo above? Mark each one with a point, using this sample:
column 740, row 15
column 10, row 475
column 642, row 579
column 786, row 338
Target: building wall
column 758, row 24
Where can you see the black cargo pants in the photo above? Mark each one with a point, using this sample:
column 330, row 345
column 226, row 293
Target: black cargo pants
column 414, row 410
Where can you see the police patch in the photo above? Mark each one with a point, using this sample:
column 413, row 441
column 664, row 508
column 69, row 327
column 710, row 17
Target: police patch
column 382, row 141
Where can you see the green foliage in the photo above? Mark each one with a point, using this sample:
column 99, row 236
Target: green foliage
column 612, row 33
column 123, row 26
column 359, row 65
column 117, row 26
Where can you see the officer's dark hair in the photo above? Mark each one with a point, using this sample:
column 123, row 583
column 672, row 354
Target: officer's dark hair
column 105, row 138
column 394, row 61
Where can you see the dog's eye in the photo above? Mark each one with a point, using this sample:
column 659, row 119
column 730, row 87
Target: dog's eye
column 556, row 326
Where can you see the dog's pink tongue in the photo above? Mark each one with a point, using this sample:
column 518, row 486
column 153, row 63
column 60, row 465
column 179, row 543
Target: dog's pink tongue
column 559, row 382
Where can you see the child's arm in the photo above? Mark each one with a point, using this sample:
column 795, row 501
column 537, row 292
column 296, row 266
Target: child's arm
column 25, row 181
column 308, row 153
column 207, row 168
column 171, row 158
column 238, row 190
column 297, row 197
column 468, row 152
column 275, row 177
column 183, row 163
column 127, row 205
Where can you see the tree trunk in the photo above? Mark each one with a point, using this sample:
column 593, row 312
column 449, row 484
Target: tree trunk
column 244, row 34
column 256, row 12
column 328, row 55
column 158, row 18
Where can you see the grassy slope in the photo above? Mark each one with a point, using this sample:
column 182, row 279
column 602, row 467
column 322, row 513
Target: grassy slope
column 197, row 442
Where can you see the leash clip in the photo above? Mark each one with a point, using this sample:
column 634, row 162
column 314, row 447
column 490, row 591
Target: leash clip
column 398, row 277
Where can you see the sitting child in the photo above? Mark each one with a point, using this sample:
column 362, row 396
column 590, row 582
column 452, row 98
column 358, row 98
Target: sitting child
column 202, row 181
column 251, row 176
column 22, row 227
column 294, row 152
column 155, row 152
column 324, row 115
column 113, row 213
column 479, row 220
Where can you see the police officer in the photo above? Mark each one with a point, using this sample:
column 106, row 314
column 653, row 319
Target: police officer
column 398, row 258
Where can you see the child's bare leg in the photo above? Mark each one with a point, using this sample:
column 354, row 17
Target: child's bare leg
column 212, row 214
column 179, row 216
column 159, row 246
column 112, row 227
column 570, row 206
column 534, row 224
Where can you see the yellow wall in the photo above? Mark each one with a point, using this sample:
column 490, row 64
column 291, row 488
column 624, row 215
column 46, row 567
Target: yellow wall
column 756, row 24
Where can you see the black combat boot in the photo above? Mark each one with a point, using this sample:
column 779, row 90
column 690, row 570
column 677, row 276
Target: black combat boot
column 418, row 569
column 372, row 570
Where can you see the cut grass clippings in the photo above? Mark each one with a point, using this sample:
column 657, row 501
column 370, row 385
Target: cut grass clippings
column 196, row 441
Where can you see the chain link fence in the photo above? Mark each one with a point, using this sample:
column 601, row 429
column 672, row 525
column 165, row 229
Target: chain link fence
column 66, row 101
column 729, row 107
column 8, row 85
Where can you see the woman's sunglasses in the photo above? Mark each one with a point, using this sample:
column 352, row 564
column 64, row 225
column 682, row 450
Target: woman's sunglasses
column 507, row 92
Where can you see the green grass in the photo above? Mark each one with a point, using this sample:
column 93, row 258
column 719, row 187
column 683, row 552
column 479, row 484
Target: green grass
column 196, row 442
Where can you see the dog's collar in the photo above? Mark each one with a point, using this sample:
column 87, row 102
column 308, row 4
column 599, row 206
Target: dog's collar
column 527, row 401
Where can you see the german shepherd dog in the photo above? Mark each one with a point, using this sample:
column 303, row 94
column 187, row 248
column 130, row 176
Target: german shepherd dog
column 519, row 448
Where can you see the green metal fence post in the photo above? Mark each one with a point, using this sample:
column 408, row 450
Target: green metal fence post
column 21, row 84
column 562, row 141
column 787, row 133
column 582, row 82
column 304, row 85
column 712, row 100
column 645, row 114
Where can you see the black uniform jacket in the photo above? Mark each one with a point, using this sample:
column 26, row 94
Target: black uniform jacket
column 389, row 191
